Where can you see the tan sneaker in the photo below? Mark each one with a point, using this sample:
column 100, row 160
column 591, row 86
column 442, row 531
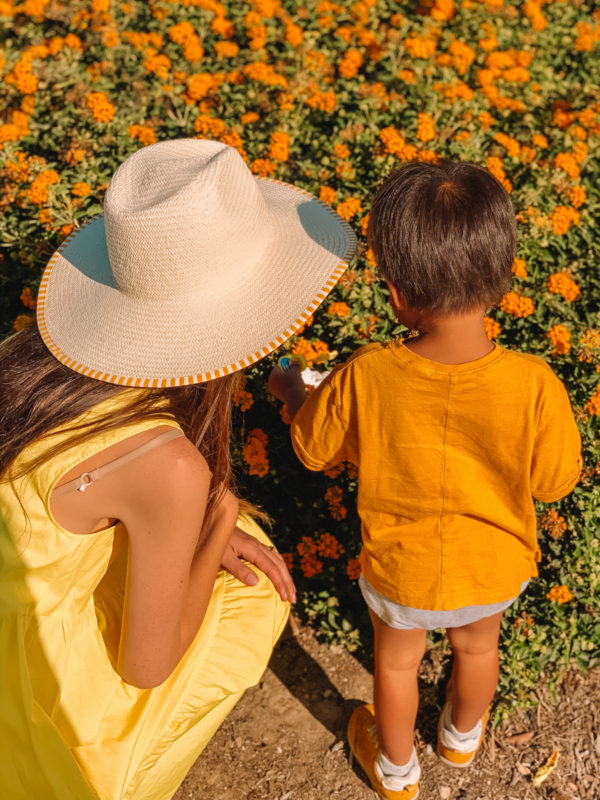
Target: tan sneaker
column 450, row 749
column 362, row 738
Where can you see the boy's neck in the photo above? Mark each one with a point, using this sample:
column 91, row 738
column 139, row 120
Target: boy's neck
column 452, row 339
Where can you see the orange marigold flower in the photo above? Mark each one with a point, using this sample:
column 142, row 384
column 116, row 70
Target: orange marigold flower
column 517, row 305
column 262, row 167
column 158, row 64
column 495, row 166
column 322, row 101
column 101, row 107
column 143, row 133
column 327, row 195
column 519, row 268
column 513, row 148
column 333, row 498
column 110, row 38
column 226, row 49
column 562, row 283
column 249, row 117
column 329, row 547
column 348, row 208
column 293, row 34
column 560, row 338
column 407, row 76
column 222, row 27
column 310, row 349
column 242, row 399
column 580, row 151
column 577, row 196
column 593, row 404
column 259, row 71
column 279, row 147
column 560, row 594
column 492, row 327
column 425, row 128
column 199, row 85
column 341, row 150
column 552, row 523
column 418, row 47
column 181, row 31
column 339, row 309
column 81, row 189
column 27, row 298
column 209, row 126
column 566, row 162
column 395, row 144
column 350, row 64
column 353, row 569
column 539, row 140
column 22, row 321
column 254, row 453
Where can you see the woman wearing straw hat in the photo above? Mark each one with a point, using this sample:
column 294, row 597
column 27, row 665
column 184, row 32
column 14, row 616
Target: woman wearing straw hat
column 124, row 644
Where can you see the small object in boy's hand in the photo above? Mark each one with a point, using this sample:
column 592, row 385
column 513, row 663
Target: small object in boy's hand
column 285, row 362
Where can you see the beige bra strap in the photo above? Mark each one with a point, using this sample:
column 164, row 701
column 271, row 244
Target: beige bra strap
column 81, row 483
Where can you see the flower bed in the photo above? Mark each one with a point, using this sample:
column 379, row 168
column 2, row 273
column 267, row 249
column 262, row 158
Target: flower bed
column 332, row 96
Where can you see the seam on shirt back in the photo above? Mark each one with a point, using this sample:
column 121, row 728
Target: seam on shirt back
column 443, row 511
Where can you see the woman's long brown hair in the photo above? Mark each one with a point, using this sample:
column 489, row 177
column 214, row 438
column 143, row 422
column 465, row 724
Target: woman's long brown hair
column 39, row 394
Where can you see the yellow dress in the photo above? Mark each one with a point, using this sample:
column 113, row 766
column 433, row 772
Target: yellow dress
column 70, row 727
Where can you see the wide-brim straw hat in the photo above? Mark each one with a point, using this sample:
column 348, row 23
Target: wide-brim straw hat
column 195, row 270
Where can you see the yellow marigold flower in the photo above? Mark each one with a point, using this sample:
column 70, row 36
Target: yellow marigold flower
column 560, row 338
column 560, row 594
column 517, row 305
column 350, row 64
column 81, row 189
column 562, row 218
column 495, row 166
column 561, row 283
column 539, row 140
column 425, row 128
column 279, row 146
column 519, row 268
column 259, row 71
column 100, row 106
column 327, row 195
column 348, row 208
column 22, row 321
column 593, row 404
column 226, row 49
column 492, row 327
column 589, row 343
column 339, row 309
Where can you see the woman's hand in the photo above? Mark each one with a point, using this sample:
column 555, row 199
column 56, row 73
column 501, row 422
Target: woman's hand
column 243, row 547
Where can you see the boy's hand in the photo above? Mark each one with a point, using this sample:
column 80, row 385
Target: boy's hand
column 288, row 386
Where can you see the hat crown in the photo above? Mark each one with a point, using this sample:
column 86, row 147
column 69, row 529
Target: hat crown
column 181, row 215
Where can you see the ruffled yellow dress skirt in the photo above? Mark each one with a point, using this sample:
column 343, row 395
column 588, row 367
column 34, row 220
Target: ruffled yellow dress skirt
column 70, row 728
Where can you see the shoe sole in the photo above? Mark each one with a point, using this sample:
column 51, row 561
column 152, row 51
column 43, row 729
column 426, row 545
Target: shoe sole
column 454, row 763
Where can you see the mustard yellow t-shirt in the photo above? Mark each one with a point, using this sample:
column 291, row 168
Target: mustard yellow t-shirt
column 449, row 457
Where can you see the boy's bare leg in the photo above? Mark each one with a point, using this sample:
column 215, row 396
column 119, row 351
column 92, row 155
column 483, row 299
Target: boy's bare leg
column 474, row 671
column 398, row 654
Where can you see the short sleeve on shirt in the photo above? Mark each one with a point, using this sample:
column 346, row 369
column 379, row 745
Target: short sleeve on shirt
column 556, row 460
column 324, row 429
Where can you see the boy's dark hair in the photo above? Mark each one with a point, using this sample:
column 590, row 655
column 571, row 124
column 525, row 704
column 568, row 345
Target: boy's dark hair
column 445, row 235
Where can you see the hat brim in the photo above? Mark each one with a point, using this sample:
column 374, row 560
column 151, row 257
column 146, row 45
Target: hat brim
column 95, row 329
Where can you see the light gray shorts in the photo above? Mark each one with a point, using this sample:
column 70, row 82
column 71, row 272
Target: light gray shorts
column 404, row 617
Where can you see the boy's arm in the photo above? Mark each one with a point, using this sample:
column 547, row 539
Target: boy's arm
column 288, row 386
column 556, row 460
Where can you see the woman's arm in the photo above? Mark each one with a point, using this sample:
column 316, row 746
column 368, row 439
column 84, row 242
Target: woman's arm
column 173, row 558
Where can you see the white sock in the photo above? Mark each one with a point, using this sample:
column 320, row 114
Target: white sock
column 397, row 776
column 461, row 741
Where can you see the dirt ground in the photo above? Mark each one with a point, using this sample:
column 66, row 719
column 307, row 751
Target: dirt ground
column 286, row 738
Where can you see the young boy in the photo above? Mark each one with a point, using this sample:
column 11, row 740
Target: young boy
column 452, row 436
